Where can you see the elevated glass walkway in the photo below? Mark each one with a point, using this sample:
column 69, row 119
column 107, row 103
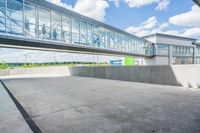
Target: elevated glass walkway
column 40, row 24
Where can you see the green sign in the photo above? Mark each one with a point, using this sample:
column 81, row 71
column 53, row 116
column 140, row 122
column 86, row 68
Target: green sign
column 129, row 61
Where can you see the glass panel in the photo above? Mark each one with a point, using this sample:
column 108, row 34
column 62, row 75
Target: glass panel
column 124, row 44
column 96, row 39
column 112, row 40
column 102, row 37
column 2, row 16
column 30, row 20
column 2, row 8
column 66, row 27
column 44, row 24
column 2, row 24
column 75, row 31
column 14, row 27
column 14, row 9
column 83, row 32
column 198, row 50
column 90, row 34
column 182, row 51
column 162, row 49
column 55, row 26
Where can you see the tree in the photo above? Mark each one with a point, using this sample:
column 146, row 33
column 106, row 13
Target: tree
column 4, row 65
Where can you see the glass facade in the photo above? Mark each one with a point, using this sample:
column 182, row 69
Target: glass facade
column 44, row 24
column 56, row 26
column 2, row 16
column 182, row 51
column 198, row 50
column 14, row 17
column 182, row 60
column 28, row 20
column 162, row 49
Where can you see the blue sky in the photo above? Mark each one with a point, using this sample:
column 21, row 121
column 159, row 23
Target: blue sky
column 142, row 17
column 139, row 17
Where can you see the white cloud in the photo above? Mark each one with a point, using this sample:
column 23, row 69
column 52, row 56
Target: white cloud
column 190, row 21
column 92, row 8
column 190, row 18
column 95, row 9
column 140, row 3
column 58, row 2
column 162, row 4
column 150, row 23
column 171, row 32
column 116, row 2
column 192, row 32
column 149, row 26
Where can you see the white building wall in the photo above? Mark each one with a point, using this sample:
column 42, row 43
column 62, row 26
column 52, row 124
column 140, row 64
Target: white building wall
column 151, row 38
column 173, row 41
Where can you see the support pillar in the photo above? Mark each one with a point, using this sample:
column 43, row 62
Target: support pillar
column 170, row 58
column 194, row 55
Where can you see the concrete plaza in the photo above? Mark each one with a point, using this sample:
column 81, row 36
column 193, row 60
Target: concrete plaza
column 89, row 105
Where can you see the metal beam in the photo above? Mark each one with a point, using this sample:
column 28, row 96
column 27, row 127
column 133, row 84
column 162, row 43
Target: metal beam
column 24, row 43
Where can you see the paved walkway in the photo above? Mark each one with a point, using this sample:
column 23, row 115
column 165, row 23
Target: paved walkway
column 88, row 105
column 11, row 120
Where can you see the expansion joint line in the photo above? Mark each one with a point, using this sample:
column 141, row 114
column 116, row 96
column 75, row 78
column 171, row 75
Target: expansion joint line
column 23, row 112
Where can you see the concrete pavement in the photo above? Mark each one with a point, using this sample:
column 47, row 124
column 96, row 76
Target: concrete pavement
column 11, row 121
column 88, row 105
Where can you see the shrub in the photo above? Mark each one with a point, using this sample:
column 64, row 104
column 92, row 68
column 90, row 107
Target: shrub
column 4, row 65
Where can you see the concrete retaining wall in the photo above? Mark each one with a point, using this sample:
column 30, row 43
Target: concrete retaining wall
column 40, row 70
column 180, row 75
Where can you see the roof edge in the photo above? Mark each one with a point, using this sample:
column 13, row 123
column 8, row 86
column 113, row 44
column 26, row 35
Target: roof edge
column 162, row 34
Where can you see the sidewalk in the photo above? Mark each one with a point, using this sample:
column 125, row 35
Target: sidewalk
column 11, row 121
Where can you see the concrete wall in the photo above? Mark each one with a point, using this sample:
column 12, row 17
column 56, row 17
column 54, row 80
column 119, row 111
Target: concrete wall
column 40, row 70
column 180, row 75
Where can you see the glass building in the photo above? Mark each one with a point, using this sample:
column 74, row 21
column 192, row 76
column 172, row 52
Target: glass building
column 175, row 49
column 44, row 21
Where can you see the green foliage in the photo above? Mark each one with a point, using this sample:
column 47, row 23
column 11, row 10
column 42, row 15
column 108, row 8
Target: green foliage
column 4, row 65
column 30, row 65
column 54, row 64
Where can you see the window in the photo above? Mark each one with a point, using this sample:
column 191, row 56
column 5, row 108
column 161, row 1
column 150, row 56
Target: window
column 44, row 24
column 112, row 39
column 96, row 39
column 30, row 20
column 2, row 8
column 66, row 27
column 83, row 32
column 15, row 17
column 2, row 16
column 163, row 49
column 55, row 26
column 107, row 41
column 90, row 34
column 102, row 37
column 75, row 31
